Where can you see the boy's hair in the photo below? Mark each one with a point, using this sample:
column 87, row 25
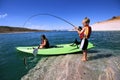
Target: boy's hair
column 86, row 20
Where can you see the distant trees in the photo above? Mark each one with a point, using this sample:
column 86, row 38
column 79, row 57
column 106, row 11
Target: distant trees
column 5, row 29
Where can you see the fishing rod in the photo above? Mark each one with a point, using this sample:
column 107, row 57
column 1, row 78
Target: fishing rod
column 35, row 50
column 48, row 15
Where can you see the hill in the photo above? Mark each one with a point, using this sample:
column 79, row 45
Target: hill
column 8, row 29
column 112, row 24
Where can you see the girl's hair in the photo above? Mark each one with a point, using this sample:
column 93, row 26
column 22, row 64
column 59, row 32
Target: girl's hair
column 43, row 36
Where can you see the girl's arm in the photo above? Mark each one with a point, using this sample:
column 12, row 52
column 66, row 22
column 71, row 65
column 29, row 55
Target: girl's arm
column 44, row 43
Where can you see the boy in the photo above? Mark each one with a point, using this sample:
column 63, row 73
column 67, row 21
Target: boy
column 86, row 30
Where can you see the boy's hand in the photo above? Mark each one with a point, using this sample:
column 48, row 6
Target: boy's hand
column 76, row 28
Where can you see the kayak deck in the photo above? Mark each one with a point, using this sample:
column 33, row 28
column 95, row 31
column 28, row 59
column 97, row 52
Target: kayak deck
column 59, row 49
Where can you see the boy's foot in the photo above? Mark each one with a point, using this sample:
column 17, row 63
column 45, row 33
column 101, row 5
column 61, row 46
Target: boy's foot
column 84, row 60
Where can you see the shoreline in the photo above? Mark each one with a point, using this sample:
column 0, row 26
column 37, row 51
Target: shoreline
column 58, row 31
column 21, row 32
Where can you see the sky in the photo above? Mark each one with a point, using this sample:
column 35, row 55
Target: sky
column 16, row 12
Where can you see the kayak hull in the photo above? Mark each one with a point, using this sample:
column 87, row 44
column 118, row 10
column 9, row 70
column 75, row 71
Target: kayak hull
column 57, row 50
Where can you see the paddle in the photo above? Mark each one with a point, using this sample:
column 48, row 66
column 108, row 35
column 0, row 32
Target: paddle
column 35, row 51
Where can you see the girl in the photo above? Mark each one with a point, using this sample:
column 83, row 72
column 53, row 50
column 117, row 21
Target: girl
column 44, row 42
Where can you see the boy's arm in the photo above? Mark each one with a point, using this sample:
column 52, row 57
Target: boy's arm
column 83, row 29
column 76, row 28
column 79, row 32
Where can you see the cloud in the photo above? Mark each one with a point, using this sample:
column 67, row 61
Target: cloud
column 3, row 15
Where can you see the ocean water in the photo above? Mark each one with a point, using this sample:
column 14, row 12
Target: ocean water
column 12, row 62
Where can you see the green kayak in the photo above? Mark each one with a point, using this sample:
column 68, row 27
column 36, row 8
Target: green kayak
column 56, row 50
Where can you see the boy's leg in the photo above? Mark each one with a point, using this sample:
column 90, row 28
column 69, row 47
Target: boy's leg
column 84, row 57
column 83, row 46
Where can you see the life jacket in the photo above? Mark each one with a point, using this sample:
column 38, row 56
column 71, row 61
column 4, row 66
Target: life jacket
column 47, row 44
column 87, row 32
column 81, row 35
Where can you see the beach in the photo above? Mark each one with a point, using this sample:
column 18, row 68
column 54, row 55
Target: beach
column 108, row 25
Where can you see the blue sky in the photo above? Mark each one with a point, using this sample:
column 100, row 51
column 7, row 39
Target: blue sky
column 16, row 12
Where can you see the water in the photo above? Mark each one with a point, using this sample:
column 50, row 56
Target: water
column 12, row 66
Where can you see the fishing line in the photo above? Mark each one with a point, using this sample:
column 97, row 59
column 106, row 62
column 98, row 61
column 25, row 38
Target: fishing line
column 48, row 15
column 25, row 62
